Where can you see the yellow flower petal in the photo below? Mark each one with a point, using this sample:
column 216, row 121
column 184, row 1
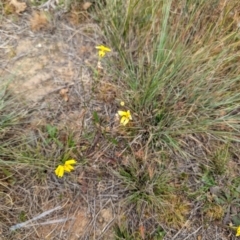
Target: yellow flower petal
column 124, row 121
column 101, row 53
column 122, row 113
column 103, row 48
column 71, row 161
column 129, row 115
column 238, row 232
column 68, row 168
column 59, row 171
column 122, row 103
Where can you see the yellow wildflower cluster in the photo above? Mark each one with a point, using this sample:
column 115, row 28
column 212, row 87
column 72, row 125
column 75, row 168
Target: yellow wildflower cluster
column 67, row 167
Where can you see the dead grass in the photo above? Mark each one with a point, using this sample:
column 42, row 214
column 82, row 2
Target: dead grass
column 39, row 21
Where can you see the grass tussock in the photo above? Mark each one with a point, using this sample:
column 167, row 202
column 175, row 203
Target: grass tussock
column 179, row 84
column 176, row 64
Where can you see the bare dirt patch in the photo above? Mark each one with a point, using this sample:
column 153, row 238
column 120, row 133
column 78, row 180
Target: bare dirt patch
column 39, row 63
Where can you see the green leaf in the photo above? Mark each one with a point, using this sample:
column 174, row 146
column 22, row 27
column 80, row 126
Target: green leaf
column 52, row 131
column 236, row 220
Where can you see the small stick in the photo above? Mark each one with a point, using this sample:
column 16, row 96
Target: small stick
column 20, row 225
column 49, row 222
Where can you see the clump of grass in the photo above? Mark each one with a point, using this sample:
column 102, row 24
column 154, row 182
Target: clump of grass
column 176, row 65
column 214, row 212
column 220, row 160
column 144, row 185
column 123, row 232
column 11, row 115
column 176, row 212
column 178, row 83
column 23, row 146
column 150, row 190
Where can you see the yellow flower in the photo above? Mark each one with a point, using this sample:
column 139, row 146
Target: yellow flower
column 102, row 50
column 66, row 167
column 59, row 171
column 125, row 117
column 238, row 231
